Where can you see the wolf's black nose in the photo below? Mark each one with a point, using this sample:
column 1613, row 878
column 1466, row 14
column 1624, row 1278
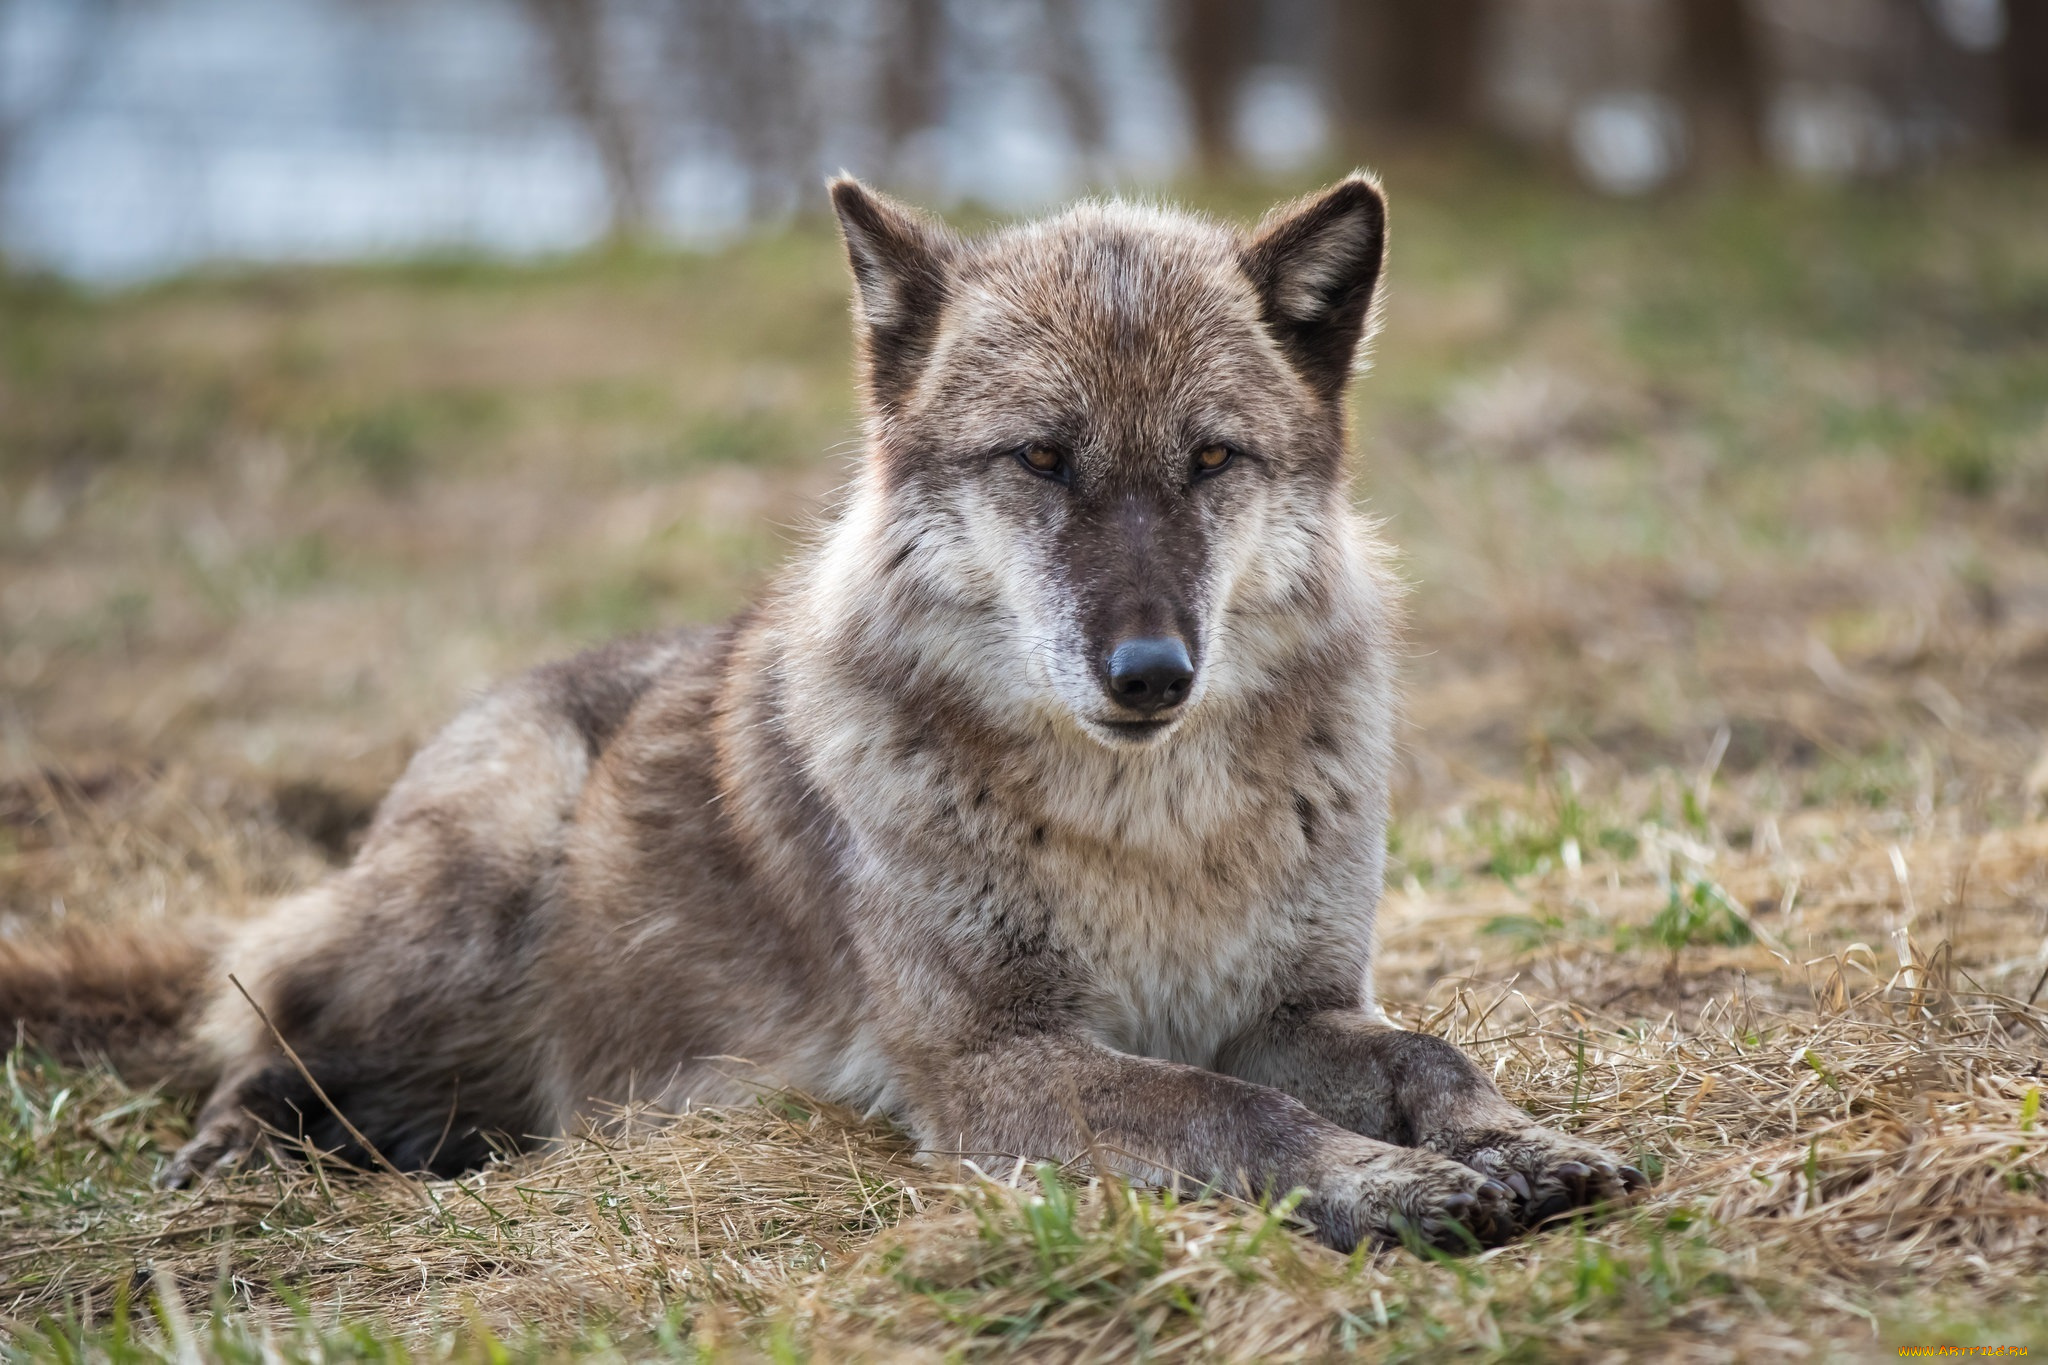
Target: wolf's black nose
column 1150, row 675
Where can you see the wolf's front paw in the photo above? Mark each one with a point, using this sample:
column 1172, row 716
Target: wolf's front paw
column 1401, row 1194
column 220, row 1145
column 1552, row 1173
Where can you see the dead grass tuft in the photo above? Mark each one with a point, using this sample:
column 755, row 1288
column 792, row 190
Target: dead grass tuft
column 1965, row 1195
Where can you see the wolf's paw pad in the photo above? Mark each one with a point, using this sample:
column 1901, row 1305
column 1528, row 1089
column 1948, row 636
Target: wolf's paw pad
column 1410, row 1197
column 1551, row 1173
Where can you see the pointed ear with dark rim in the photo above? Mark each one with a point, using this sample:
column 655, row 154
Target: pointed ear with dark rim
column 899, row 259
column 1316, row 263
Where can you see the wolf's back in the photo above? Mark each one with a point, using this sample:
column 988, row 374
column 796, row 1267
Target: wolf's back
column 123, row 995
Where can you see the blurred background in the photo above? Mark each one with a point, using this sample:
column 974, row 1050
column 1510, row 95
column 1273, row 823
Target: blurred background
column 356, row 352
column 142, row 136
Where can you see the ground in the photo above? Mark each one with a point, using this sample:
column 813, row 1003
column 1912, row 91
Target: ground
column 1720, row 829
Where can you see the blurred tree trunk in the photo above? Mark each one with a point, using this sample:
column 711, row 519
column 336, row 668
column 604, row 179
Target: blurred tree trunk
column 1721, row 81
column 2024, row 58
column 83, row 47
column 912, row 71
column 1073, row 78
column 748, row 70
column 1408, row 64
column 572, row 31
column 1212, row 47
column 1433, row 81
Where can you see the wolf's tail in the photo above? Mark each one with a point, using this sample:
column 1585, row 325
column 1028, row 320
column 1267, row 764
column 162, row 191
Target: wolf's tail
column 125, row 996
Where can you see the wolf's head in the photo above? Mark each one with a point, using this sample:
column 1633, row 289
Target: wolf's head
column 1117, row 435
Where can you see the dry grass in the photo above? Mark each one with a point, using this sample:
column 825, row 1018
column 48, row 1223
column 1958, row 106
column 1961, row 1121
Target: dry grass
column 1840, row 1135
column 1721, row 833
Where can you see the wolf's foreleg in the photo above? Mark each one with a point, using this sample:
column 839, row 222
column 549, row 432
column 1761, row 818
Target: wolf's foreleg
column 1416, row 1090
column 1063, row 1096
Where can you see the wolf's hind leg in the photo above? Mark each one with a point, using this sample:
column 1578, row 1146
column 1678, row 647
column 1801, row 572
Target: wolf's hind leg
column 218, row 1146
column 230, row 1126
column 402, row 982
column 1420, row 1091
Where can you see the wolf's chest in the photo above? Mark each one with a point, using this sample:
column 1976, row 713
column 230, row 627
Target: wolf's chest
column 1183, row 895
column 1177, row 981
column 1180, row 947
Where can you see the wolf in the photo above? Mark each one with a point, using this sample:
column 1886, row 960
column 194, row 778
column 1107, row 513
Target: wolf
column 1041, row 805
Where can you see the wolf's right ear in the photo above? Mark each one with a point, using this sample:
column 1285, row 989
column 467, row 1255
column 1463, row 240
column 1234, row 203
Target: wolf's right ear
column 1316, row 265
column 899, row 259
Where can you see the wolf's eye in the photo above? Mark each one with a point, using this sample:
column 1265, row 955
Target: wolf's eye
column 1045, row 462
column 1212, row 459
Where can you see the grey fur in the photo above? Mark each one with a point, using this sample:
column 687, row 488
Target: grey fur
column 885, row 838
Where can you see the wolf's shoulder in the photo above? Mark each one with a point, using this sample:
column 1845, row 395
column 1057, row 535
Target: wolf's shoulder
column 597, row 689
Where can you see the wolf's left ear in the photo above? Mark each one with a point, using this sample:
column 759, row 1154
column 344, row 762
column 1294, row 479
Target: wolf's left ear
column 899, row 259
column 1316, row 263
